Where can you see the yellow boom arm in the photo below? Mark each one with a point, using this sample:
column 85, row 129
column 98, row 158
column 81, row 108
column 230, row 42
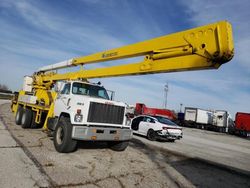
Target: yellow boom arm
column 205, row 47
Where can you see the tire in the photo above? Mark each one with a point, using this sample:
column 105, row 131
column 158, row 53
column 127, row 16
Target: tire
column 151, row 135
column 62, row 139
column 171, row 140
column 230, row 131
column 118, row 145
column 221, row 130
column 244, row 133
column 19, row 115
column 33, row 124
column 27, row 118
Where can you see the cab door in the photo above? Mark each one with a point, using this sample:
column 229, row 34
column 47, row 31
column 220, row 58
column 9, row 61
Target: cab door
column 62, row 102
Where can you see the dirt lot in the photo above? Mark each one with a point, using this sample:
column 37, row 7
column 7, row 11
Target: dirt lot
column 95, row 165
column 218, row 148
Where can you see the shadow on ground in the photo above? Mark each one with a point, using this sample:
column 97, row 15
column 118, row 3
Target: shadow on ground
column 199, row 172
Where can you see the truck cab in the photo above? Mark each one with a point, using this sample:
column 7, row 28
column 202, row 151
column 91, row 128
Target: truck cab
column 89, row 104
column 87, row 108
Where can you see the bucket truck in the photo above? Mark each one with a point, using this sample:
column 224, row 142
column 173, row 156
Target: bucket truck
column 80, row 110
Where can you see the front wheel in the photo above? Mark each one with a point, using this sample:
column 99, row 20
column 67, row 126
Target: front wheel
column 63, row 141
column 151, row 135
column 118, row 145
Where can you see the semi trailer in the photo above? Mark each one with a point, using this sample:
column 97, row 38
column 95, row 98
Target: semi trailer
column 199, row 118
column 142, row 109
column 222, row 121
column 242, row 124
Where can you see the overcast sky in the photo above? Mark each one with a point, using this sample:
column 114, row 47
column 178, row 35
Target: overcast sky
column 38, row 33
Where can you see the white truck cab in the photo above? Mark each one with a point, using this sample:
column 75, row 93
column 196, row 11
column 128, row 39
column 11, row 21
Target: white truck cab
column 87, row 109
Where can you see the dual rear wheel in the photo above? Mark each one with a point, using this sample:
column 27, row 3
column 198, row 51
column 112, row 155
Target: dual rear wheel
column 25, row 118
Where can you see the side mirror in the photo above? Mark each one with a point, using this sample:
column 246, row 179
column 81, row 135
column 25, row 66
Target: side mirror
column 111, row 94
column 112, row 97
column 59, row 86
column 58, row 95
column 57, row 89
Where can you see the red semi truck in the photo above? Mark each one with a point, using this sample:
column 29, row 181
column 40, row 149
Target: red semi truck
column 242, row 123
column 142, row 109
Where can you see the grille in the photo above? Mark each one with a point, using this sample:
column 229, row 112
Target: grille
column 105, row 113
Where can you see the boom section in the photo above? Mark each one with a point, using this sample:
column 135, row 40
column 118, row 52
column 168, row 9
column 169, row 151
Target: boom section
column 205, row 47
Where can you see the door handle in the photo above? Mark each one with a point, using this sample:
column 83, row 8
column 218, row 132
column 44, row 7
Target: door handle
column 68, row 101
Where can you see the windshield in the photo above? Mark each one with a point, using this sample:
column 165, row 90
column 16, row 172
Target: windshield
column 165, row 120
column 90, row 90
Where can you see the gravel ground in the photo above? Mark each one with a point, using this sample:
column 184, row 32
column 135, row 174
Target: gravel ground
column 219, row 148
column 142, row 164
column 94, row 164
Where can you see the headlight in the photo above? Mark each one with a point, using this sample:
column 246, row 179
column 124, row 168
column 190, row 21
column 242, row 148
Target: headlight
column 78, row 117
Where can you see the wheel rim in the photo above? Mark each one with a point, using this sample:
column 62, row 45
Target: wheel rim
column 59, row 135
column 151, row 134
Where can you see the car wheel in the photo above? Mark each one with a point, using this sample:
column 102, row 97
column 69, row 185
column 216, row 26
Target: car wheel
column 151, row 135
column 62, row 138
column 118, row 145
column 19, row 115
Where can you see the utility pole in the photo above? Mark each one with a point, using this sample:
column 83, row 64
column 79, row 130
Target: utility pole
column 181, row 107
column 166, row 89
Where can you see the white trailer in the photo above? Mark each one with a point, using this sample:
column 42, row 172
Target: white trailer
column 222, row 121
column 198, row 117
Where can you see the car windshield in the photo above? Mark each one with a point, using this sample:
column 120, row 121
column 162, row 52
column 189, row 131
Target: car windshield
column 165, row 120
column 90, row 90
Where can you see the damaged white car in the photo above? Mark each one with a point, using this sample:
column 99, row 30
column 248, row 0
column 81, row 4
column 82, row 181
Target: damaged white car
column 156, row 127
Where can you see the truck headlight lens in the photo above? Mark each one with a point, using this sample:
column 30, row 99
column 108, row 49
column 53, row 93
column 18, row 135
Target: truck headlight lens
column 78, row 117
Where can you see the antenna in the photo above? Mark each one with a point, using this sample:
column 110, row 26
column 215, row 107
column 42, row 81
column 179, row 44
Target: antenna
column 181, row 107
column 166, row 89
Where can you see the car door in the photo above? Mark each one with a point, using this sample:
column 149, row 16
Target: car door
column 63, row 100
column 135, row 124
column 145, row 125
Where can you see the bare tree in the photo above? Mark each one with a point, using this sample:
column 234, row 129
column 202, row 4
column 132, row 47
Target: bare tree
column 3, row 87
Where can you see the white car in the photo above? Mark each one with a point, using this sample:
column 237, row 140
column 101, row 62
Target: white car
column 156, row 127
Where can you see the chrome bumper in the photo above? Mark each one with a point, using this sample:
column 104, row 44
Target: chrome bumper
column 100, row 133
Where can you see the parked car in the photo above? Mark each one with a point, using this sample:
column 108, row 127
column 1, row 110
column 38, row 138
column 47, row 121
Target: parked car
column 156, row 127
